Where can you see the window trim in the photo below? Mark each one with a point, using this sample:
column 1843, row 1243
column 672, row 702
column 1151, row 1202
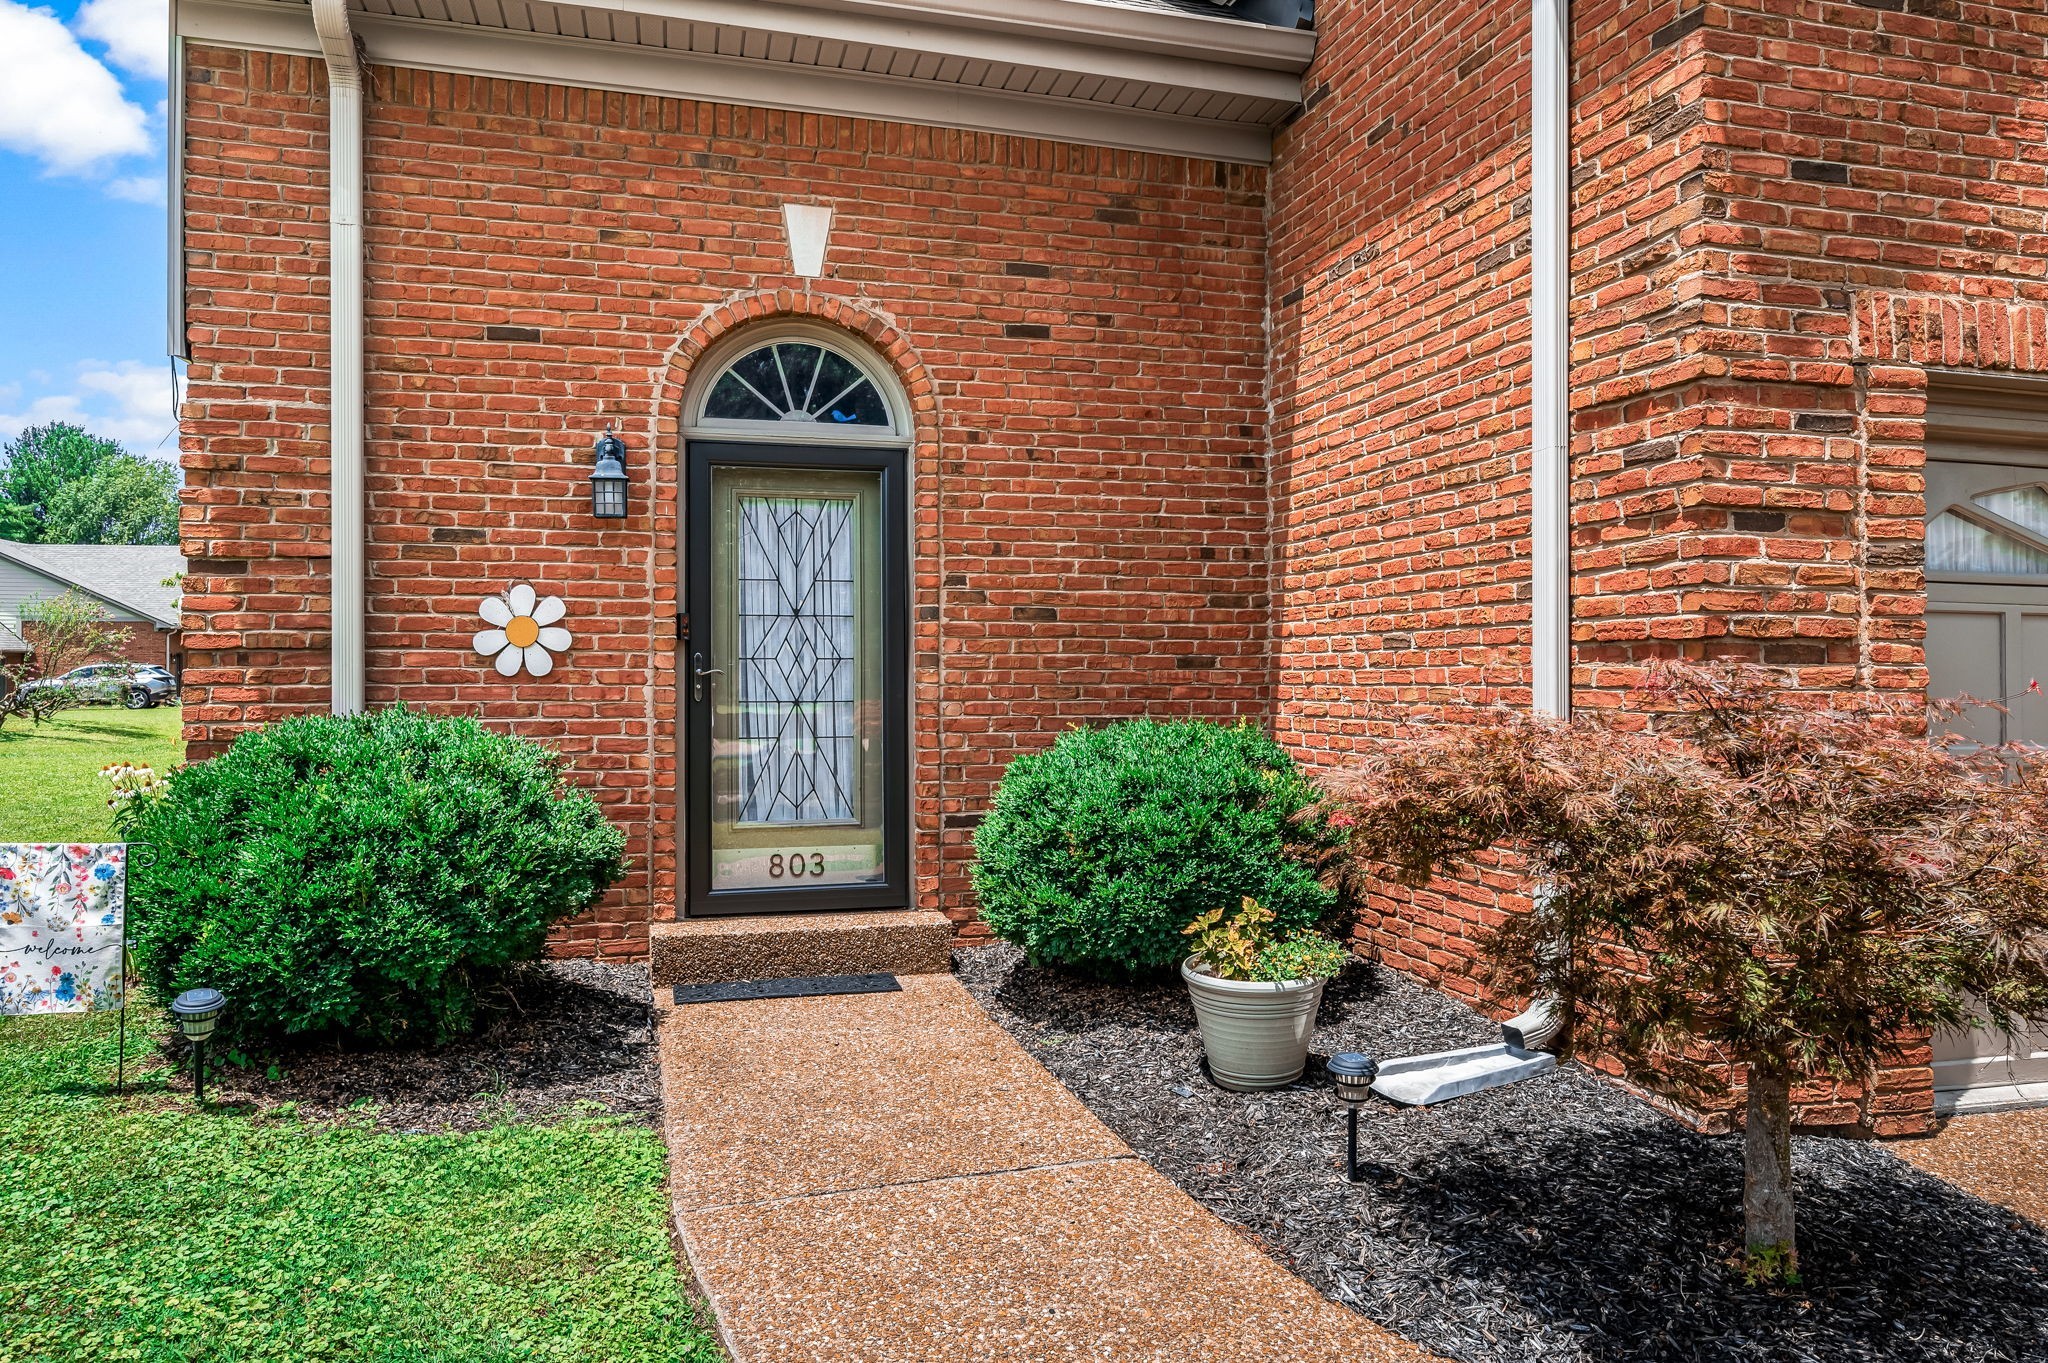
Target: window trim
column 705, row 374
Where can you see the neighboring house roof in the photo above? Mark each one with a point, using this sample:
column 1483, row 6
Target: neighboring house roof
column 138, row 578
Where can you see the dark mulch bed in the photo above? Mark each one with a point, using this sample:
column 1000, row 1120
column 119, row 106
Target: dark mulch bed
column 1559, row 1218
column 565, row 1036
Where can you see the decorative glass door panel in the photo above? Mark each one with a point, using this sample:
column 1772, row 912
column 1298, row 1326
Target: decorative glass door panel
column 795, row 727
column 792, row 684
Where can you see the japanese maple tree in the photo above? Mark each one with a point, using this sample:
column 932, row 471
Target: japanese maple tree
column 1757, row 881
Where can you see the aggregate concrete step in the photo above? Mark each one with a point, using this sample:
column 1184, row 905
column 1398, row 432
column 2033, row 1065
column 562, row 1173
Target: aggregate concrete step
column 717, row 950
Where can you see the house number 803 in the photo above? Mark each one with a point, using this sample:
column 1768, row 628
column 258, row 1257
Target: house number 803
column 796, row 865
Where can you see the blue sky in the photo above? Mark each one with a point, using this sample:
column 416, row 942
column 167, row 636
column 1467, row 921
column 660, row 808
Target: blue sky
column 82, row 104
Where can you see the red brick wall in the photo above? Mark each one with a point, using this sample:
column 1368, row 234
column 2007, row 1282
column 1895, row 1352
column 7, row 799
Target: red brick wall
column 145, row 644
column 1082, row 331
column 1399, row 285
column 1883, row 174
column 1400, row 282
column 1859, row 195
column 1784, row 213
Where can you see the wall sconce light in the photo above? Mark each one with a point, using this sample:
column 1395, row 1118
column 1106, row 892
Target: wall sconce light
column 608, row 479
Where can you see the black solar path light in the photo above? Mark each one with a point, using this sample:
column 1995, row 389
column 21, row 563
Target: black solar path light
column 197, row 1010
column 1353, row 1074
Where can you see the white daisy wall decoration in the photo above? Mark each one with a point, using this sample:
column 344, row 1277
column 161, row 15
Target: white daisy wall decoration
column 523, row 631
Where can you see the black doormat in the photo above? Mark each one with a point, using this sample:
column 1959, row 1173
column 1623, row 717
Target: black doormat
column 803, row 986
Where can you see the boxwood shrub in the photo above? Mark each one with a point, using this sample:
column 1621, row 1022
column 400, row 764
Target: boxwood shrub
column 368, row 875
column 1100, row 850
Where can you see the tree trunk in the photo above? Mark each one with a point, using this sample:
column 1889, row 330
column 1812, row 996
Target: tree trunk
column 1769, row 1243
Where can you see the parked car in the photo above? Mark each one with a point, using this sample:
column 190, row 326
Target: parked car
column 137, row 686
column 169, row 679
column 162, row 674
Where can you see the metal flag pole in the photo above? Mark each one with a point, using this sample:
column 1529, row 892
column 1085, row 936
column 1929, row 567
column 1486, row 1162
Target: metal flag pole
column 121, row 1056
column 121, row 1061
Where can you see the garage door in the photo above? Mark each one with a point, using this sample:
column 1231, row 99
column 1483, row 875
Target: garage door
column 1987, row 636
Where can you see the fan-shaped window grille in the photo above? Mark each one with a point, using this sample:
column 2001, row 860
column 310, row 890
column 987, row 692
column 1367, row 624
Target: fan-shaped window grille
column 797, row 383
column 2001, row 533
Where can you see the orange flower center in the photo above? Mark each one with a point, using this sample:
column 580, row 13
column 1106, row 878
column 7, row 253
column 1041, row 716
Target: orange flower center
column 521, row 631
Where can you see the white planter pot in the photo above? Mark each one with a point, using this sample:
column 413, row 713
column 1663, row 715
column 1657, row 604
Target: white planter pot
column 1256, row 1033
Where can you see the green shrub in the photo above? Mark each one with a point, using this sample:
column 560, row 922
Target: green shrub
column 366, row 875
column 1101, row 850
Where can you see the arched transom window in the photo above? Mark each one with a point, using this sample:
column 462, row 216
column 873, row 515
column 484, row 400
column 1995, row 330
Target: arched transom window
column 800, row 385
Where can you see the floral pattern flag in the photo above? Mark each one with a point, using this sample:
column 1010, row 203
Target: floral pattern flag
column 61, row 910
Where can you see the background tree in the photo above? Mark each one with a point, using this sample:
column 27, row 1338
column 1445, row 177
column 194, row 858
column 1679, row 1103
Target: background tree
column 37, row 464
column 1780, row 887
column 124, row 501
column 18, row 523
column 62, row 485
column 69, row 631
column 34, row 703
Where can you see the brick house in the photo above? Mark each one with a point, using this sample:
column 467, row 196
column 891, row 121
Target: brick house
column 136, row 586
column 984, row 368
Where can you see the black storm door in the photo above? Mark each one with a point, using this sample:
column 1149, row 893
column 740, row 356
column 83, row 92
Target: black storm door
column 794, row 678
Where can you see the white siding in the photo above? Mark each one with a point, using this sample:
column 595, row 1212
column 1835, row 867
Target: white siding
column 21, row 585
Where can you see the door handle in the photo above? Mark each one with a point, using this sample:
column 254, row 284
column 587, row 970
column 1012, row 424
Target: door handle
column 700, row 672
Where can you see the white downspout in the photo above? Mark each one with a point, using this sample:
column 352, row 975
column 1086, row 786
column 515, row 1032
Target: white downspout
column 1550, row 274
column 1550, row 642
column 177, row 347
column 345, row 345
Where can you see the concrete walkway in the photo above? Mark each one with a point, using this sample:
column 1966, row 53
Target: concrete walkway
column 889, row 1178
column 2001, row 1157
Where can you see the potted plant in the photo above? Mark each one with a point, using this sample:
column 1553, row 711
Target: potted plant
column 1255, row 994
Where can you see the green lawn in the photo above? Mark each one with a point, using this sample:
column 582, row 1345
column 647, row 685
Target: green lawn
column 140, row 1228
column 50, row 786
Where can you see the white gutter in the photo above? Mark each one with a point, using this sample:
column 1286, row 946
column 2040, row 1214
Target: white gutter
column 1550, row 640
column 345, row 346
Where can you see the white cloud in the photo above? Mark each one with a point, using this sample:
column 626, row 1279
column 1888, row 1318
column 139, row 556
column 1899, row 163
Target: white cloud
column 131, row 401
column 41, row 412
column 141, row 189
column 136, row 33
column 57, row 103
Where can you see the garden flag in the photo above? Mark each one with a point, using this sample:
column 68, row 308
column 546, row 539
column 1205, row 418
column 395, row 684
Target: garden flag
column 61, row 909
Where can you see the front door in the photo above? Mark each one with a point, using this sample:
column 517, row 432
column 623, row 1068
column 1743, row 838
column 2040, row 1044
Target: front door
column 793, row 675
